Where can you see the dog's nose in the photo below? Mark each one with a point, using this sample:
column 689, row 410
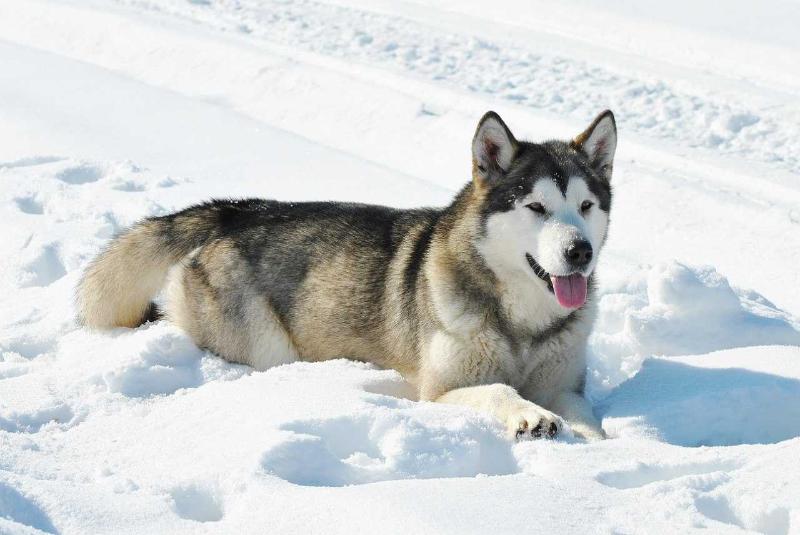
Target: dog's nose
column 579, row 253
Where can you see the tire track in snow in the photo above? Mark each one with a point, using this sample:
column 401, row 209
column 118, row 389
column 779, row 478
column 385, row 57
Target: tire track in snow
column 648, row 106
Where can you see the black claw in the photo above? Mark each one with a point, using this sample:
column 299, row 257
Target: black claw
column 552, row 431
column 520, row 433
column 537, row 431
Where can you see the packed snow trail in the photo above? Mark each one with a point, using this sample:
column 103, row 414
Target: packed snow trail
column 529, row 76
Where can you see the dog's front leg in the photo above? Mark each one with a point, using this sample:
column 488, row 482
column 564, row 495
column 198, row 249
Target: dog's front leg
column 522, row 418
column 576, row 410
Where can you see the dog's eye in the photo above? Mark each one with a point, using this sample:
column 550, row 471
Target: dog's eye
column 585, row 205
column 537, row 207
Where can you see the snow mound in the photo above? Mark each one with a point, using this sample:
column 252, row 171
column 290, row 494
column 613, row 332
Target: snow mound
column 674, row 309
column 710, row 400
column 151, row 362
column 387, row 443
column 52, row 412
column 154, row 360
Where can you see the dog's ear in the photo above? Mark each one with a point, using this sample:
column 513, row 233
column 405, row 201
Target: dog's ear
column 598, row 143
column 493, row 148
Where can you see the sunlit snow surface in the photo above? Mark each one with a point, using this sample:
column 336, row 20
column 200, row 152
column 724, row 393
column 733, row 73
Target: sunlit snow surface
column 114, row 110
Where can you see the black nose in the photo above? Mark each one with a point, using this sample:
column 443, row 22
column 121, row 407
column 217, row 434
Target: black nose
column 579, row 253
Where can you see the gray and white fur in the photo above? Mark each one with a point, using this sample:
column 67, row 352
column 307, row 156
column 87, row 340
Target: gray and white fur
column 487, row 302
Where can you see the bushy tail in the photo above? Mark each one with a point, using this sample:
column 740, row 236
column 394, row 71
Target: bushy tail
column 117, row 288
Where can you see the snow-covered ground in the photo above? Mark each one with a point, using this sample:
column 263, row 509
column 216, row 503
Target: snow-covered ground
column 111, row 110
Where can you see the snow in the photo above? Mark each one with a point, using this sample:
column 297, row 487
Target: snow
column 111, row 110
column 672, row 309
column 708, row 400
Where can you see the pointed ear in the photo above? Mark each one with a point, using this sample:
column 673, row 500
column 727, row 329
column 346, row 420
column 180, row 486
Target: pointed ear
column 493, row 147
column 598, row 143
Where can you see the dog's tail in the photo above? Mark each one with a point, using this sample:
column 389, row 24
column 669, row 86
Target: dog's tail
column 117, row 288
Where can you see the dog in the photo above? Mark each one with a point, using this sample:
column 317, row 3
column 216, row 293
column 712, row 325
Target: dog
column 486, row 303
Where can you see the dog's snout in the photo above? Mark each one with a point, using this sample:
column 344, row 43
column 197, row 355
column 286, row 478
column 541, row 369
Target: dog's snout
column 579, row 253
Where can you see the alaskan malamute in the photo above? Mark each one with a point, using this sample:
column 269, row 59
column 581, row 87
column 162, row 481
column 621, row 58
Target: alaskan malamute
column 487, row 302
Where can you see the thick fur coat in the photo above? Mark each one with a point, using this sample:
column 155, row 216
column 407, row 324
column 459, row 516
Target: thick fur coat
column 487, row 302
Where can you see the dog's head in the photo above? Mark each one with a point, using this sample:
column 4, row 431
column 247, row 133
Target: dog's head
column 545, row 206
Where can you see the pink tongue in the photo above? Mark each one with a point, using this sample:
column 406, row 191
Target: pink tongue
column 570, row 291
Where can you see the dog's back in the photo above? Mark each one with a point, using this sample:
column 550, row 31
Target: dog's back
column 331, row 279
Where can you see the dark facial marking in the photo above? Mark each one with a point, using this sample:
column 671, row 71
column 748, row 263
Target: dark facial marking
column 539, row 270
column 553, row 160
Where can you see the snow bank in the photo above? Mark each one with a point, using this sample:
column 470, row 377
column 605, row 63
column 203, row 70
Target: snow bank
column 674, row 309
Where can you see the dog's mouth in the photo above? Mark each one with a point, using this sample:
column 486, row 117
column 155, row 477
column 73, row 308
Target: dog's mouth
column 570, row 290
column 540, row 271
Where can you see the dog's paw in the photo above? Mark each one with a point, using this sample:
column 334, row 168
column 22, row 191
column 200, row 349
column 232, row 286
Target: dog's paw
column 533, row 422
